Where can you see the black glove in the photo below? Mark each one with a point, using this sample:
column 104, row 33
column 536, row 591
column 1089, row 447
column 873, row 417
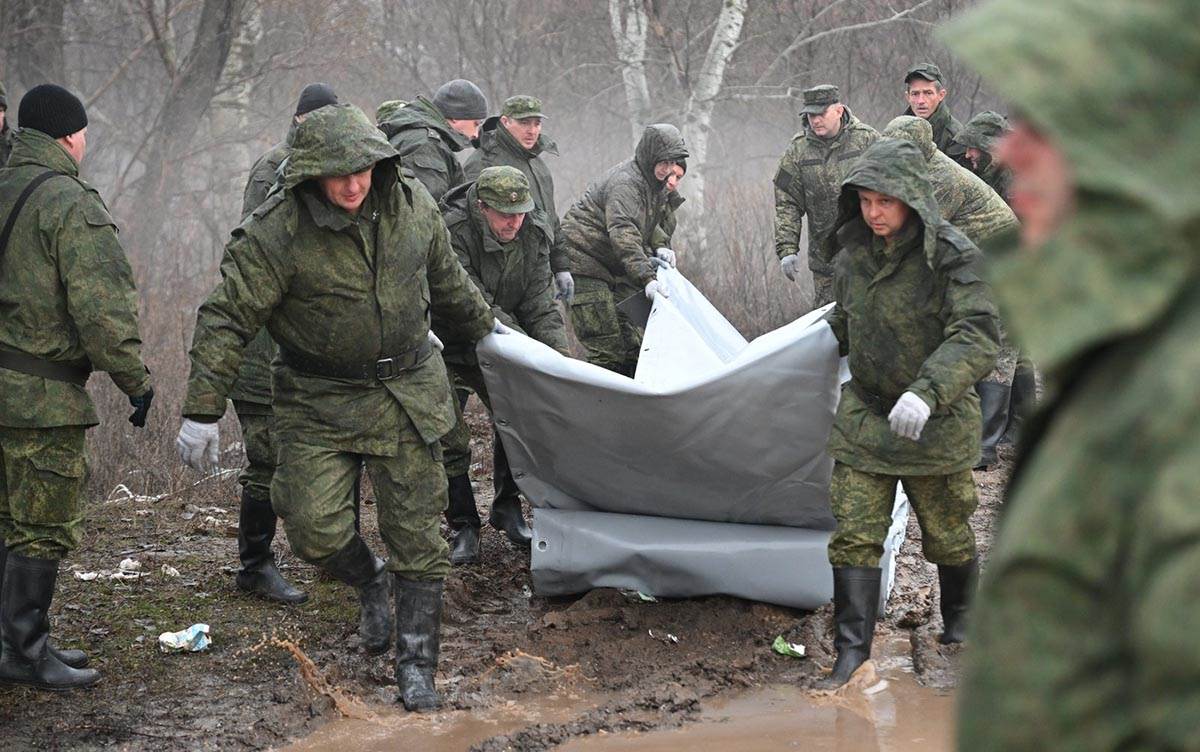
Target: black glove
column 141, row 406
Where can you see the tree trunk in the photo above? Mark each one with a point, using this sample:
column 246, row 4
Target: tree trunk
column 33, row 41
column 629, row 25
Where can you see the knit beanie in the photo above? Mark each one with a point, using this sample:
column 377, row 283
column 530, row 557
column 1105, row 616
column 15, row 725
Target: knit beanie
column 52, row 110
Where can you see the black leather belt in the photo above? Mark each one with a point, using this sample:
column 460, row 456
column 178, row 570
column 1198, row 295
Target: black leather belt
column 383, row 369
column 74, row 372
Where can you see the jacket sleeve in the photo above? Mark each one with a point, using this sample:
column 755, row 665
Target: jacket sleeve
column 430, row 167
column 789, row 206
column 558, row 246
column 454, row 297
column 463, row 255
column 538, row 314
column 101, row 297
column 837, row 318
column 258, row 185
column 621, row 214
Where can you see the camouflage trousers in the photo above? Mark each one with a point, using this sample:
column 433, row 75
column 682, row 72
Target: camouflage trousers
column 259, row 441
column 313, row 492
column 862, row 504
column 612, row 341
column 822, row 288
column 42, row 474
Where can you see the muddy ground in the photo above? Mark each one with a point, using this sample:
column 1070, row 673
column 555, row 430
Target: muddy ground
column 501, row 643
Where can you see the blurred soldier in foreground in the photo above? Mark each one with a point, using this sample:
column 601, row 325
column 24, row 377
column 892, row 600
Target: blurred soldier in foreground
column 515, row 139
column 1085, row 635
column 970, row 205
column 344, row 265
column 926, row 92
column 429, row 133
column 616, row 235
column 251, row 396
column 503, row 241
column 920, row 329
column 5, row 131
column 67, row 307
column 809, row 179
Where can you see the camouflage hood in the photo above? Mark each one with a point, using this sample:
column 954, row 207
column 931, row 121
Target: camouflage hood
column 397, row 116
column 659, row 143
column 914, row 130
column 334, row 140
column 898, row 169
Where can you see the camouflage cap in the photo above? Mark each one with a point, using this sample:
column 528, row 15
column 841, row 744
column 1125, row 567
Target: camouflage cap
column 818, row 98
column 522, row 106
column 927, row 71
column 504, row 189
column 982, row 131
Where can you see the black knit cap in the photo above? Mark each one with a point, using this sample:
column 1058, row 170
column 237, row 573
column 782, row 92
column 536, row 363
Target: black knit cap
column 52, row 110
column 315, row 96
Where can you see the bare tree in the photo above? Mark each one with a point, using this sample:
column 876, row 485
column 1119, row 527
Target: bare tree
column 629, row 25
column 34, row 41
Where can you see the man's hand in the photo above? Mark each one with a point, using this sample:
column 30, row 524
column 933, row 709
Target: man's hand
column 790, row 265
column 909, row 416
column 657, row 288
column 498, row 328
column 436, row 342
column 566, row 286
column 198, row 444
column 666, row 254
column 141, row 406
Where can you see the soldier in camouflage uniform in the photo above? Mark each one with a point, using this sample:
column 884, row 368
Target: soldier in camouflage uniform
column 809, row 179
column 515, row 139
column 67, row 306
column 503, row 241
column 429, row 133
column 926, row 94
column 972, row 206
column 251, row 396
column 344, row 265
column 919, row 328
column 5, row 131
column 616, row 235
column 1084, row 637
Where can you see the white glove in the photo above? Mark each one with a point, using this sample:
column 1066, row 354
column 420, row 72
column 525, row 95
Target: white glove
column 909, row 415
column 791, row 265
column 498, row 328
column 566, row 286
column 666, row 254
column 657, row 288
column 436, row 342
column 198, row 444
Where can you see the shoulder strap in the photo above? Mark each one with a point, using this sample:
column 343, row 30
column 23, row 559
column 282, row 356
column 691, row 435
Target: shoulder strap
column 16, row 210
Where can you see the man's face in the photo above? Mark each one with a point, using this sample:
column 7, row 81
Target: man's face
column 75, row 144
column 975, row 155
column 347, row 191
column 525, row 130
column 469, row 128
column 669, row 173
column 829, row 123
column 3, row 114
column 1043, row 187
column 504, row 226
column 884, row 214
column 924, row 96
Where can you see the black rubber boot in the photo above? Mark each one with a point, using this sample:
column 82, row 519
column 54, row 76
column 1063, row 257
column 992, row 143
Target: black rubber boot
column 25, row 654
column 418, row 638
column 355, row 565
column 259, row 575
column 957, row 586
column 73, row 658
column 1024, row 399
column 993, row 401
column 464, row 520
column 855, row 607
column 506, row 515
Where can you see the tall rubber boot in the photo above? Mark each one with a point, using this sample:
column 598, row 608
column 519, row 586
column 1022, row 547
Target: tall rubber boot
column 1022, row 403
column 73, row 658
column 506, row 514
column 957, row 586
column 355, row 565
column 418, row 639
column 25, row 655
column 464, row 520
column 993, row 401
column 855, row 608
column 259, row 574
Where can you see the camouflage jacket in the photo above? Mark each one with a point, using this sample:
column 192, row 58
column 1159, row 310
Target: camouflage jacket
column 809, row 180
column 498, row 147
column 427, row 145
column 513, row 277
column 66, row 290
column 966, row 201
column 914, row 317
column 1083, row 636
column 612, row 230
column 946, row 128
column 998, row 178
column 6, row 143
column 342, row 289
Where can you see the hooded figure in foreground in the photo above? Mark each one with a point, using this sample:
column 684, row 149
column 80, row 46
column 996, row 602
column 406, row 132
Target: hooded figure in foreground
column 919, row 328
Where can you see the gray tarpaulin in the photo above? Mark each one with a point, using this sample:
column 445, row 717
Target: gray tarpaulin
column 706, row 473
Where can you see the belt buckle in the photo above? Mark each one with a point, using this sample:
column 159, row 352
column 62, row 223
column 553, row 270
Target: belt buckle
column 386, row 369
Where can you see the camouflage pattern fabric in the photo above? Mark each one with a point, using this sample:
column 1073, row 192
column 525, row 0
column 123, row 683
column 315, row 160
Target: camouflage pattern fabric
column 42, row 477
column 862, row 504
column 1083, row 635
column 498, row 147
column 912, row 317
column 808, row 182
column 6, row 143
column 611, row 340
column 259, row 442
column 946, row 129
column 612, row 230
column 426, row 143
column 66, row 290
